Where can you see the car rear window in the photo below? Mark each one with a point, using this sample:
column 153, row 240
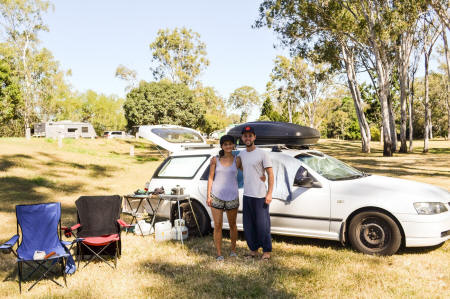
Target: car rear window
column 181, row 166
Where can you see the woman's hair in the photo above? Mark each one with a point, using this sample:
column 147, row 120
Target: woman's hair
column 223, row 139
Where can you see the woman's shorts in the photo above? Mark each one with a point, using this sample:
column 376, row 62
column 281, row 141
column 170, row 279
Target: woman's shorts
column 224, row 204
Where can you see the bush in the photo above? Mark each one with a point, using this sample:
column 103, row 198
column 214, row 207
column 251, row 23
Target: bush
column 375, row 134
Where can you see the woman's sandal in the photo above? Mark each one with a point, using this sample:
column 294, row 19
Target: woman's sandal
column 220, row 258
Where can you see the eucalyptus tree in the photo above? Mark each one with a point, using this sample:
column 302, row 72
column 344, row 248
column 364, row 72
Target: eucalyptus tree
column 128, row 75
column 244, row 99
column 326, row 28
column 322, row 31
column 305, row 84
column 431, row 32
column 178, row 55
column 22, row 21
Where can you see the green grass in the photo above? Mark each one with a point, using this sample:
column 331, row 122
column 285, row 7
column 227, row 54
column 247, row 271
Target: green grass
column 37, row 170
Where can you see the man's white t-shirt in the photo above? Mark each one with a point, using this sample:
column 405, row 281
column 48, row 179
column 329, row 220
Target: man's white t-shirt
column 254, row 164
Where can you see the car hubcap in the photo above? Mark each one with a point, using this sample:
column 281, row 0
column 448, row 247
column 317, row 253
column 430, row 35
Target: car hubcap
column 374, row 233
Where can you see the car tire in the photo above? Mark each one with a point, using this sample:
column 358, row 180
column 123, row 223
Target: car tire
column 202, row 217
column 375, row 233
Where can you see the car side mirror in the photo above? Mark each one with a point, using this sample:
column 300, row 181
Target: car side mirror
column 307, row 182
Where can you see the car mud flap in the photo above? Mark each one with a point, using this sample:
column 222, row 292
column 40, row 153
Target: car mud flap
column 342, row 233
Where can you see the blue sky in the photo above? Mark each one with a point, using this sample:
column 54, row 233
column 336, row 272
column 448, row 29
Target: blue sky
column 93, row 37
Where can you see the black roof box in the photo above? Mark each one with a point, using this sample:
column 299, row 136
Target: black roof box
column 274, row 132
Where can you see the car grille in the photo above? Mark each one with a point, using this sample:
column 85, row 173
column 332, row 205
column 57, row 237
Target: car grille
column 445, row 234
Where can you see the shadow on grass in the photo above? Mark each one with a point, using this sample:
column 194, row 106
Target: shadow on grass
column 10, row 161
column 16, row 190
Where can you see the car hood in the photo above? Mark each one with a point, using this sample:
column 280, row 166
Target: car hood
column 390, row 188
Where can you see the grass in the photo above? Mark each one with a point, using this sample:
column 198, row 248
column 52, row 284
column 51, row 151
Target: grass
column 37, row 170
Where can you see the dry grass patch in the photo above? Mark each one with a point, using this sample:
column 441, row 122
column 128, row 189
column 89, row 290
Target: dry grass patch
column 38, row 171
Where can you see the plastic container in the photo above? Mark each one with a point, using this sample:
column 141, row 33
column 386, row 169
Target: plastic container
column 163, row 231
column 179, row 232
column 146, row 228
column 179, row 222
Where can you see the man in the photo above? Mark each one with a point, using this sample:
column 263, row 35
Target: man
column 257, row 198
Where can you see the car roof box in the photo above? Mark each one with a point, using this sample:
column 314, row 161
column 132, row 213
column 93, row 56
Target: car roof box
column 274, row 132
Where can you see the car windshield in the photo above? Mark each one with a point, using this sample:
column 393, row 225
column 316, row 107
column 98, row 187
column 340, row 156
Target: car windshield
column 329, row 167
column 178, row 135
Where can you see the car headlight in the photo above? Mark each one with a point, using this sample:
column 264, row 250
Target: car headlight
column 429, row 208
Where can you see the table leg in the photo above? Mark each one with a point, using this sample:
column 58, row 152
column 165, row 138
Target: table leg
column 195, row 217
column 155, row 212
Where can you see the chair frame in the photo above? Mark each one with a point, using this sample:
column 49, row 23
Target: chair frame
column 62, row 260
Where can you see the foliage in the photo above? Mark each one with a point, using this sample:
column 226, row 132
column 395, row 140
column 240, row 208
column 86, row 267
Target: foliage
column 214, row 106
column 102, row 111
column 163, row 102
column 10, row 97
column 178, row 55
column 128, row 75
column 244, row 98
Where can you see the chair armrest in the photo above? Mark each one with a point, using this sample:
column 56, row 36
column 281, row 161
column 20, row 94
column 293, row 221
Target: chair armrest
column 122, row 223
column 6, row 247
column 68, row 231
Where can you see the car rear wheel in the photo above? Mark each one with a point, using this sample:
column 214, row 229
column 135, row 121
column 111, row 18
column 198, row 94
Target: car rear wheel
column 202, row 217
column 373, row 232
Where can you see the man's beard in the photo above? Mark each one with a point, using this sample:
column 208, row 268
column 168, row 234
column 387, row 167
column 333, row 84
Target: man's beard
column 250, row 145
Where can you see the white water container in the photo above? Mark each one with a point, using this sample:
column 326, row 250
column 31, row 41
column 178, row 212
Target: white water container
column 163, row 231
column 147, row 228
column 179, row 232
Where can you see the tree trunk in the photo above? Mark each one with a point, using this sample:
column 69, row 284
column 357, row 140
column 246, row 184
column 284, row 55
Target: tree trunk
column 403, row 65
column 426, row 131
column 392, row 124
column 357, row 101
column 411, row 112
column 447, row 60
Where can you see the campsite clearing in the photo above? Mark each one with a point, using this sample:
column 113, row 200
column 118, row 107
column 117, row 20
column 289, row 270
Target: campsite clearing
column 37, row 170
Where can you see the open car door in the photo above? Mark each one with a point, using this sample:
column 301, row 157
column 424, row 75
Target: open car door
column 172, row 138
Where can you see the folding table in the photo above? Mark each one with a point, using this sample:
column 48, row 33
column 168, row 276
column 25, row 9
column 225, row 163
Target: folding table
column 141, row 206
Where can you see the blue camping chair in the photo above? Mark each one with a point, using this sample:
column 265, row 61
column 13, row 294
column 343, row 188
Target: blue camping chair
column 39, row 225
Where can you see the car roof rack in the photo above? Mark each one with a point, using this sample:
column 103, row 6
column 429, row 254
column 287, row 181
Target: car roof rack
column 197, row 146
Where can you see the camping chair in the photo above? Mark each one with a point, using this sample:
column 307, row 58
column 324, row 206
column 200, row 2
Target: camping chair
column 98, row 228
column 39, row 225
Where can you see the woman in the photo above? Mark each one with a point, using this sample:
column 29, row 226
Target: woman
column 223, row 194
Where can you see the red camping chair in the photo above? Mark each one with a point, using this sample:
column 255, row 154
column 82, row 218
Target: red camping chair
column 98, row 229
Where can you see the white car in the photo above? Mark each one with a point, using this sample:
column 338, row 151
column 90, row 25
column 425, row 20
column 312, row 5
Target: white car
column 327, row 199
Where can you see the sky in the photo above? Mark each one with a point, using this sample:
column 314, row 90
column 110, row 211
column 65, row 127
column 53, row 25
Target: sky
column 91, row 38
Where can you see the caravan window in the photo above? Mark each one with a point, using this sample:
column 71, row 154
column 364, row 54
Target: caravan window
column 72, row 130
column 84, row 129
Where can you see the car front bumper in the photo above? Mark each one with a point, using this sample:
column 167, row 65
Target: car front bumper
column 425, row 230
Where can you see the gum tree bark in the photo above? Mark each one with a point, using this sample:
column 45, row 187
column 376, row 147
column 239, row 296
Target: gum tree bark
column 349, row 61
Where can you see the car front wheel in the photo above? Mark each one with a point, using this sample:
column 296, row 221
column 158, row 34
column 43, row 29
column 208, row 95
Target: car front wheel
column 373, row 232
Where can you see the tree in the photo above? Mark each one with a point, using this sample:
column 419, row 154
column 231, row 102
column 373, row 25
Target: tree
column 303, row 84
column 431, row 32
column 22, row 22
column 178, row 55
column 102, row 111
column 162, row 102
column 10, row 97
column 128, row 75
column 214, row 106
column 322, row 31
column 244, row 98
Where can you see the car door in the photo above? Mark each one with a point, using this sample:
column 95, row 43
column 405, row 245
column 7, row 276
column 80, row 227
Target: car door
column 308, row 213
